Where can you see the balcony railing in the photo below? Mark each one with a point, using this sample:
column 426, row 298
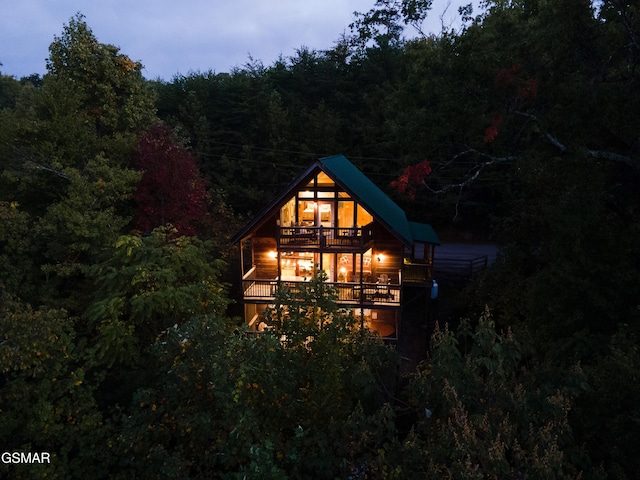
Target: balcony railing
column 348, row 293
column 416, row 273
column 324, row 237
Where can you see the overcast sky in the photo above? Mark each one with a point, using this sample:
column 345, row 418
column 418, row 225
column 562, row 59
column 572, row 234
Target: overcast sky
column 171, row 37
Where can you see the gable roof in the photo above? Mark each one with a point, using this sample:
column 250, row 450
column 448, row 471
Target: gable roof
column 423, row 232
column 375, row 201
column 360, row 187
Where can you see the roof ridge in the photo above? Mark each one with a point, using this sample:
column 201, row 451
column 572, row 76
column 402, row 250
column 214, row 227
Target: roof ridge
column 370, row 195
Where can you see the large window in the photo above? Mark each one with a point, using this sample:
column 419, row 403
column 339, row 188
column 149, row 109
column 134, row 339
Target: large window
column 288, row 213
column 298, row 266
column 306, row 212
column 364, row 217
column 320, row 203
column 354, row 267
column 346, row 214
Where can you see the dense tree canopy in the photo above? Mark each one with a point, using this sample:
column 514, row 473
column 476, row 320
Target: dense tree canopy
column 119, row 353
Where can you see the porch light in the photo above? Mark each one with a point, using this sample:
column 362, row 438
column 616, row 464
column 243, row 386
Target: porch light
column 342, row 275
column 272, row 254
column 380, row 257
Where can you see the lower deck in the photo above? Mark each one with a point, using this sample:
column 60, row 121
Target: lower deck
column 380, row 319
column 349, row 294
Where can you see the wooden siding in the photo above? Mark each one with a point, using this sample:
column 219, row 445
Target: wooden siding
column 269, row 228
column 266, row 265
column 391, row 248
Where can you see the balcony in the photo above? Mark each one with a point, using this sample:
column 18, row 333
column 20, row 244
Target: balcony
column 326, row 238
column 349, row 294
column 416, row 273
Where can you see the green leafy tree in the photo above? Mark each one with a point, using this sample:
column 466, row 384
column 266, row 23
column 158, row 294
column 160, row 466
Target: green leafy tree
column 68, row 146
column 385, row 22
column 608, row 412
column 17, row 266
column 9, row 91
column 47, row 394
column 81, row 228
column 299, row 400
column 482, row 414
column 46, row 132
column 87, row 84
column 149, row 284
column 112, row 87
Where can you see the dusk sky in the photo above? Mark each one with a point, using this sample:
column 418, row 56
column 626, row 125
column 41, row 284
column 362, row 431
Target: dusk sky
column 171, row 37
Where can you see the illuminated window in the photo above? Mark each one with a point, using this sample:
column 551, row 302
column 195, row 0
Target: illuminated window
column 324, row 180
column 346, row 213
column 288, row 213
column 297, row 265
column 364, row 217
column 306, row 212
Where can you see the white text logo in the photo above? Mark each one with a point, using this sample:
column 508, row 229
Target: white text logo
column 28, row 457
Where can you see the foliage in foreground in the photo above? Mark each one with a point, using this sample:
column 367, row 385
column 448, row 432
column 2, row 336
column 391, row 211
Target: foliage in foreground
column 313, row 398
column 484, row 414
column 305, row 400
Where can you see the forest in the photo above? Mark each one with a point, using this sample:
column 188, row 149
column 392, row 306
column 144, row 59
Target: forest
column 122, row 353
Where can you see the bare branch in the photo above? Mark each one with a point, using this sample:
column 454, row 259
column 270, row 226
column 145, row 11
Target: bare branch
column 458, row 155
column 460, row 185
column 38, row 166
column 609, row 156
column 553, row 140
column 475, row 170
column 28, row 160
column 614, row 157
column 474, row 173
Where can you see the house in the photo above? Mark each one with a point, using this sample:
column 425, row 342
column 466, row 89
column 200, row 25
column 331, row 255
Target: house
column 333, row 218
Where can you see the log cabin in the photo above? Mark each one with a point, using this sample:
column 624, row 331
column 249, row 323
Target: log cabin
column 333, row 218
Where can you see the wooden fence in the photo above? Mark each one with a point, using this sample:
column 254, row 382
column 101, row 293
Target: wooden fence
column 458, row 270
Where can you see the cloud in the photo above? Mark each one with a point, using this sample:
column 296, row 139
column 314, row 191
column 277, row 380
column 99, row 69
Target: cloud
column 171, row 37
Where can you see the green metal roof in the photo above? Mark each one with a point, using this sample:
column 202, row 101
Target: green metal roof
column 345, row 173
column 358, row 185
column 423, row 232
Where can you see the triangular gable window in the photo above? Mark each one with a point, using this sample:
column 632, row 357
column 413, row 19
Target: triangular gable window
column 321, row 202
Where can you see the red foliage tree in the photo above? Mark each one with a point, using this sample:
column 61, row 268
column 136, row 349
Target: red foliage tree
column 171, row 190
column 510, row 82
column 491, row 132
column 412, row 178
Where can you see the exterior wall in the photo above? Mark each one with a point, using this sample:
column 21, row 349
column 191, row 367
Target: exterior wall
column 266, row 265
column 385, row 322
column 253, row 314
column 389, row 248
column 264, row 245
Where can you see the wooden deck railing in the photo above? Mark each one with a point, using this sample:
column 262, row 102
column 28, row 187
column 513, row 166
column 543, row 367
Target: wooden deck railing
column 348, row 293
column 459, row 270
column 416, row 273
column 325, row 237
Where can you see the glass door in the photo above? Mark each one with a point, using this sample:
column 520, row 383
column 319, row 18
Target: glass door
column 325, row 213
column 329, row 266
